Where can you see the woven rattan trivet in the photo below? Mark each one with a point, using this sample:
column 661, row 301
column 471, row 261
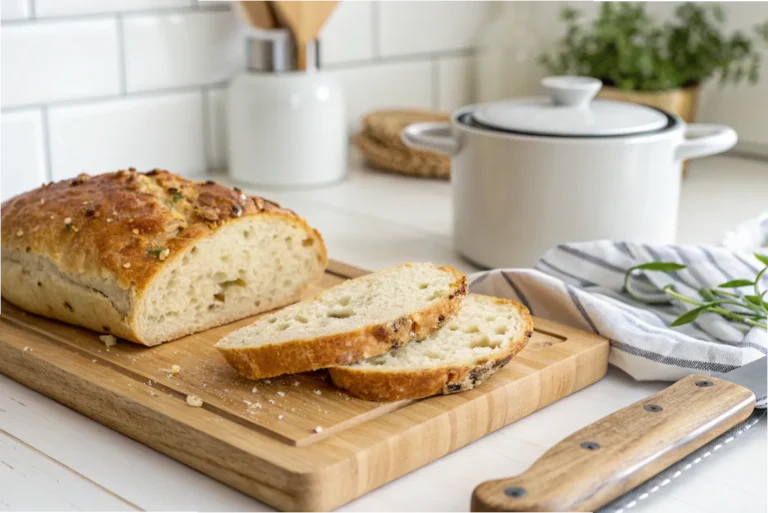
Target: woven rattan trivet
column 381, row 145
column 387, row 125
column 408, row 162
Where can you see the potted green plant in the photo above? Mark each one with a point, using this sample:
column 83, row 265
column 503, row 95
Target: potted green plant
column 640, row 59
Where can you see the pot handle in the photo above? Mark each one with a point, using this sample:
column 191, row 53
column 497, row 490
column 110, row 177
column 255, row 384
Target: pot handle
column 703, row 139
column 435, row 137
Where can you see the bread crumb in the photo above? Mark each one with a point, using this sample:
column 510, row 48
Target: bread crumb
column 26, row 348
column 135, row 231
column 94, row 360
column 254, row 390
column 271, row 401
column 67, row 220
column 281, row 393
column 280, row 417
column 127, row 265
column 109, row 340
column 150, row 382
column 256, row 405
column 152, row 393
column 318, row 429
column 267, row 381
column 109, row 219
column 195, row 401
column 163, row 254
column 175, row 369
column 205, row 385
column 296, row 383
column 346, row 398
column 318, row 392
column 19, row 233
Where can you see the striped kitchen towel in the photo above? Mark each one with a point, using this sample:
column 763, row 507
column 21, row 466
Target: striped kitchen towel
column 581, row 285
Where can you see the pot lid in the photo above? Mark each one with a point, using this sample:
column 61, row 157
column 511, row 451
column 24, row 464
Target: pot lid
column 570, row 111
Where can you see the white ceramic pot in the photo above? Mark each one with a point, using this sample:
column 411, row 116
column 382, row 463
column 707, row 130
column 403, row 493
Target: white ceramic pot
column 531, row 173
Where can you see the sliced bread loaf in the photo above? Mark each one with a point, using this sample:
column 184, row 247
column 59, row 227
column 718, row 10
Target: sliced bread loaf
column 357, row 319
column 483, row 336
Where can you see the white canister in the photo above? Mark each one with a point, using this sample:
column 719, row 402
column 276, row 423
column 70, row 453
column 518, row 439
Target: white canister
column 531, row 173
column 285, row 127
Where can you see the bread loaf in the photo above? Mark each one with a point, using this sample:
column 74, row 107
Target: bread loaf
column 151, row 257
column 357, row 319
column 483, row 336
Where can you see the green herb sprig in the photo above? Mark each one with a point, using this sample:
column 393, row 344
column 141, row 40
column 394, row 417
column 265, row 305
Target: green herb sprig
column 749, row 309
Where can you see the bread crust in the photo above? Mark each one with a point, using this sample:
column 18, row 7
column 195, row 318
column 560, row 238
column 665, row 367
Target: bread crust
column 387, row 386
column 123, row 228
column 318, row 353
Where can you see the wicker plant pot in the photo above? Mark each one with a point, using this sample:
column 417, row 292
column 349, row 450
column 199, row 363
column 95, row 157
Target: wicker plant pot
column 683, row 102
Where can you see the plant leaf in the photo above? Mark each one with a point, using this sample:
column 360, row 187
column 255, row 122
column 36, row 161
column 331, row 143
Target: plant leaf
column 735, row 283
column 762, row 258
column 661, row 266
column 688, row 316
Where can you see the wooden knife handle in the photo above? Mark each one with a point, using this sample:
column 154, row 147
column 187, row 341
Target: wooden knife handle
column 617, row 453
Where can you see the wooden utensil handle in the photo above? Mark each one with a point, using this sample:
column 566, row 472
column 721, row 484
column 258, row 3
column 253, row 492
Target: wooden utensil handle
column 617, row 453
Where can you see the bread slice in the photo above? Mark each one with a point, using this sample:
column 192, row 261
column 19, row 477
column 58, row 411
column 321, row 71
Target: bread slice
column 151, row 257
column 357, row 319
column 483, row 336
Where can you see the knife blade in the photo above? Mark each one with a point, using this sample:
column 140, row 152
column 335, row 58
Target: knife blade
column 606, row 459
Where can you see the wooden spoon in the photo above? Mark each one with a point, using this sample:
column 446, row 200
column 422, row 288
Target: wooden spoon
column 305, row 19
column 259, row 14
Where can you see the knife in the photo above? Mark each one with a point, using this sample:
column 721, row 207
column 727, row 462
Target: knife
column 617, row 453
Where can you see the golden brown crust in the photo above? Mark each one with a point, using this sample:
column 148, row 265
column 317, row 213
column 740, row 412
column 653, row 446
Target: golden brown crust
column 116, row 224
column 387, row 386
column 122, row 228
column 318, row 353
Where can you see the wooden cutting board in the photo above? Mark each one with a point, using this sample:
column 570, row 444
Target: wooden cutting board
column 262, row 437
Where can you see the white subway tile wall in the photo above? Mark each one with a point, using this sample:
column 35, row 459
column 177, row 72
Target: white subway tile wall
column 46, row 62
column 95, row 85
column 22, row 152
column 14, row 9
column 45, row 8
column 164, row 131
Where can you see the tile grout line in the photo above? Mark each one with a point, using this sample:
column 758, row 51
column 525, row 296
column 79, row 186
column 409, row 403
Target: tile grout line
column 121, row 59
column 167, row 11
column 46, row 135
column 404, row 58
column 70, row 469
column 96, row 99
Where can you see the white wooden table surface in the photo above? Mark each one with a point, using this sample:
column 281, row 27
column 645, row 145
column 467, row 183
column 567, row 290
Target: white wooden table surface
column 52, row 458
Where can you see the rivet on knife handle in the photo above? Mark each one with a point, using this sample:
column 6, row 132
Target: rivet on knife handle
column 615, row 454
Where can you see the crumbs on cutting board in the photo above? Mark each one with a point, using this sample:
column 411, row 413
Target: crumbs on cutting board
column 296, row 383
column 281, row 393
column 109, row 340
column 280, row 417
column 195, row 401
column 271, row 401
column 254, row 390
column 318, row 392
column 252, row 407
column 318, row 429
column 26, row 348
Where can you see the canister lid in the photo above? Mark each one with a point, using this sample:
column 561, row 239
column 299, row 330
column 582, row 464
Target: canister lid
column 570, row 110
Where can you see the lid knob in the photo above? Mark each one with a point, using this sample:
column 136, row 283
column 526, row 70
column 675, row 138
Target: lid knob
column 572, row 91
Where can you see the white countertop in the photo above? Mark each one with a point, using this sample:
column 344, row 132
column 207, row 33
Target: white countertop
column 52, row 458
